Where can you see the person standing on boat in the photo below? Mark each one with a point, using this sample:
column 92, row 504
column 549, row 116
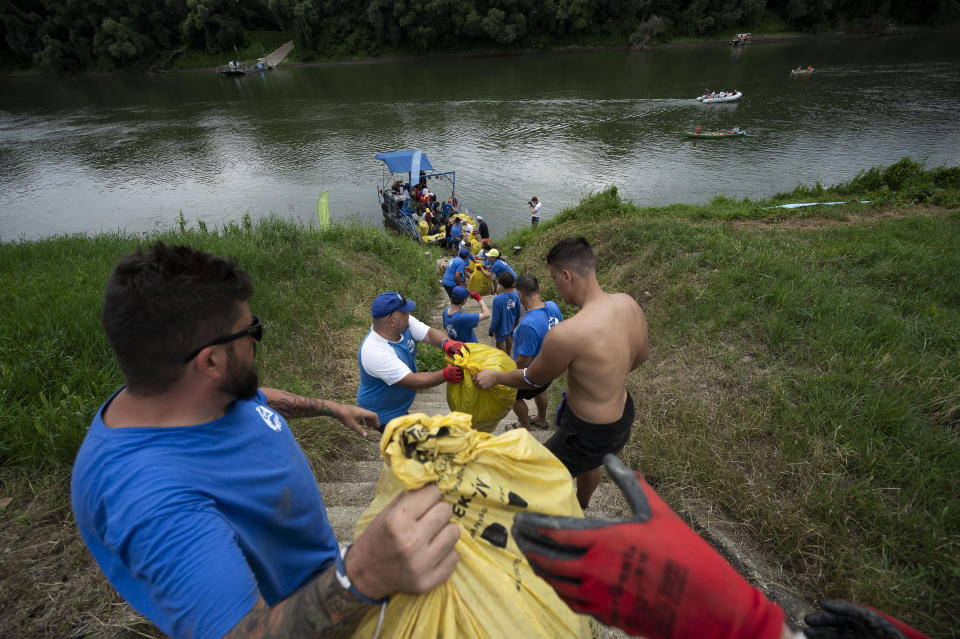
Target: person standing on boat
column 459, row 324
column 535, row 206
column 389, row 380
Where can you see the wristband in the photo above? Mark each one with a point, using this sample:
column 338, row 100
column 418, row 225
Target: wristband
column 341, row 572
column 444, row 342
column 528, row 381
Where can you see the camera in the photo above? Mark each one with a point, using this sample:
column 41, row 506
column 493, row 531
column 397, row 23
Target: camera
column 530, row 202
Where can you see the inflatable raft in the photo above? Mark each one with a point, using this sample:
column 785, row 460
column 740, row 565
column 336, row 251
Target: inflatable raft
column 713, row 135
column 720, row 97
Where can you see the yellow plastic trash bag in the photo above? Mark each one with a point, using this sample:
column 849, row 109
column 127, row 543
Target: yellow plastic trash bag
column 493, row 593
column 487, row 407
column 423, row 228
column 479, row 282
column 475, row 245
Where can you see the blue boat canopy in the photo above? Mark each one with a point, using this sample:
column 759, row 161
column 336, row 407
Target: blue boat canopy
column 411, row 161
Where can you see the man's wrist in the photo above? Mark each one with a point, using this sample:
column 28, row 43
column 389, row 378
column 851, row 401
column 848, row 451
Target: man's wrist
column 355, row 570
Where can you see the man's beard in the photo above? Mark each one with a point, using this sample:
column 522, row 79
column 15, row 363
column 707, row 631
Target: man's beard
column 242, row 384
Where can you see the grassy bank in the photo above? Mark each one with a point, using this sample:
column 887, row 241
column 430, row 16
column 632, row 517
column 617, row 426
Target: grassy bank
column 803, row 378
column 802, row 383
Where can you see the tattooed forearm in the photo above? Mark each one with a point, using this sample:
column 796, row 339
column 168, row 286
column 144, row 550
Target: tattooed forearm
column 292, row 406
column 321, row 608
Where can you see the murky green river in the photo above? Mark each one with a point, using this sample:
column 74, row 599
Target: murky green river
column 130, row 151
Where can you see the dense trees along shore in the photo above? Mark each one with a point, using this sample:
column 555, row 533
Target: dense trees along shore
column 111, row 34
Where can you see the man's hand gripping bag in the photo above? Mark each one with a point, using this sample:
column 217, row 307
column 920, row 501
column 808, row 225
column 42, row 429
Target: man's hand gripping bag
column 493, row 593
column 487, row 407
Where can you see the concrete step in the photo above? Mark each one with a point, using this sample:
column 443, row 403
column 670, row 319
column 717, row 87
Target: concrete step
column 343, row 519
column 354, row 470
column 348, row 493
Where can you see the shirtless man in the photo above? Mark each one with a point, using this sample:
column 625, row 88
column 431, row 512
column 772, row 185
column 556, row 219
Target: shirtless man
column 597, row 347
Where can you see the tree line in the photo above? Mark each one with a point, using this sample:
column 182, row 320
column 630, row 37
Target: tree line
column 73, row 35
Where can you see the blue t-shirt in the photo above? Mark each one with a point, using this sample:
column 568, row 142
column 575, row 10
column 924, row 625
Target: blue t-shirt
column 455, row 231
column 532, row 329
column 506, row 312
column 454, row 265
column 191, row 523
column 499, row 267
column 460, row 325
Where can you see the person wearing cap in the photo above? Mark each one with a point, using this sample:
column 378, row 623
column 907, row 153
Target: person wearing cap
column 483, row 230
column 458, row 324
column 456, row 271
column 497, row 266
column 389, row 380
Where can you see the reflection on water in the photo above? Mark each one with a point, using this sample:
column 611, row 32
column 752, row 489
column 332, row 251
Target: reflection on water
column 128, row 151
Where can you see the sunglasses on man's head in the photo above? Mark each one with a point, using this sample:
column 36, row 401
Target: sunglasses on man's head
column 255, row 330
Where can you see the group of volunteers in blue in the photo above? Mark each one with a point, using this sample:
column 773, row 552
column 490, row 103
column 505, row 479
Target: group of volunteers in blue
column 200, row 507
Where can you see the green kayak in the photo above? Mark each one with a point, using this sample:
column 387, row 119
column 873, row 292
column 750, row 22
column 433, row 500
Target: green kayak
column 712, row 135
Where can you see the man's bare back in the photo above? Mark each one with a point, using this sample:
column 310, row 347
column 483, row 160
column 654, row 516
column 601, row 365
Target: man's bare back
column 602, row 343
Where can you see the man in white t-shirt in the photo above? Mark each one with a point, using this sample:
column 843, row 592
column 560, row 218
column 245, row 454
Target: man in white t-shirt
column 535, row 205
column 389, row 380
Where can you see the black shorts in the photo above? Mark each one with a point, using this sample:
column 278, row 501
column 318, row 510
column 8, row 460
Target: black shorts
column 581, row 445
column 530, row 393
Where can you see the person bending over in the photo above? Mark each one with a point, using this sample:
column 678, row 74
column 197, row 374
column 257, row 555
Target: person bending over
column 459, row 324
column 191, row 492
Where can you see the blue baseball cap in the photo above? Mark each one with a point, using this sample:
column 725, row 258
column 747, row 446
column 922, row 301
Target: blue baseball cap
column 459, row 293
column 386, row 303
column 464, row 252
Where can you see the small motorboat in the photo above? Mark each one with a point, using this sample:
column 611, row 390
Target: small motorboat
column 714, row 135
column 720, row 96
column 801, row 71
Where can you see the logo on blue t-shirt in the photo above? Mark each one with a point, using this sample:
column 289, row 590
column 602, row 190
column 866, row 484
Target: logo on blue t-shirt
column 451, row 331
column 269, row 418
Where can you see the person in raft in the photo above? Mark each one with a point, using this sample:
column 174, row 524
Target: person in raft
column 597, row 348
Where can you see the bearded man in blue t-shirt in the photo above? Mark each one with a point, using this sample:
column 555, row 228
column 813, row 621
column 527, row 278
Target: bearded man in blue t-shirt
column 193, row 495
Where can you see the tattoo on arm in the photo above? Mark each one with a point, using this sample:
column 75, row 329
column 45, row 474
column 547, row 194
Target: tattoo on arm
column 321, row 608
column 292, row 406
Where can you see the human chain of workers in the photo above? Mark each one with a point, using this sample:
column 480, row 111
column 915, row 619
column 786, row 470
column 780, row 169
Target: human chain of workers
column 200, row 507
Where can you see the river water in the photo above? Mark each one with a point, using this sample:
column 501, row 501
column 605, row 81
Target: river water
column 125, row 151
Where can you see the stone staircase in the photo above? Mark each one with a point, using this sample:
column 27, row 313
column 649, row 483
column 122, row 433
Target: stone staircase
column 347, row 499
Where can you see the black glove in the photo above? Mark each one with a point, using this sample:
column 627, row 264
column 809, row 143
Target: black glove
column 840, row 619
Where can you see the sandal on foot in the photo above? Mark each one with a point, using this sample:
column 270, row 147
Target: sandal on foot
column 541, row 425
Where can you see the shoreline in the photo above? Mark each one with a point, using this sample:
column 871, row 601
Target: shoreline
column 496, row 53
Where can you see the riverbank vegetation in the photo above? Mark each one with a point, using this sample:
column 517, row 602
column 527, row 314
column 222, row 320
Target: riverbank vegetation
column 802, row 385
column 88, row 35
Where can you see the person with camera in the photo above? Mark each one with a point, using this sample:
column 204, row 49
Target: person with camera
column 534, row 205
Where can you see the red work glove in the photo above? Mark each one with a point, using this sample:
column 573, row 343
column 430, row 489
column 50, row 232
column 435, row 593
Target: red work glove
column 453, row 374
column 451, row 347
column 476, row 296
column 650, row 575
column 844, row 620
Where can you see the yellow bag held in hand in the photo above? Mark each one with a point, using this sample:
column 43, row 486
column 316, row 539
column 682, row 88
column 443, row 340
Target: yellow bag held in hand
column 479, row 282
column 493, row 593
column 487, row 407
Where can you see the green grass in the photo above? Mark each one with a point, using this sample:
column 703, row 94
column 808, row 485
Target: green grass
column 311, row 287
column 804, row 374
